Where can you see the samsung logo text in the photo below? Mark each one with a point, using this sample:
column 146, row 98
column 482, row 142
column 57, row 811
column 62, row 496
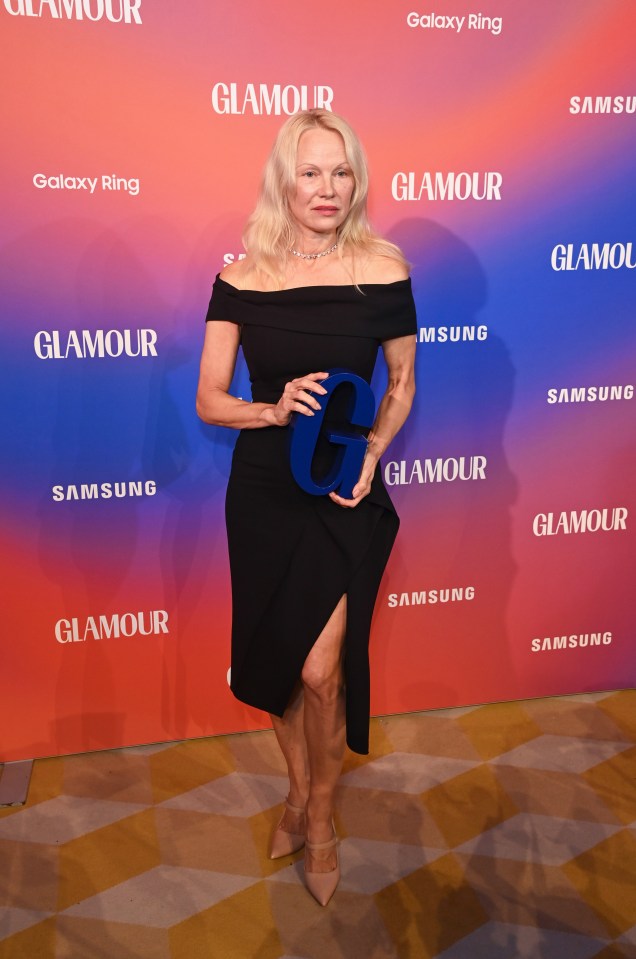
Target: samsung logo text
column 103, row 490
column 603, row 104
column 451, row 334
column 431, row 597
column 590, row 394
column 574, row 641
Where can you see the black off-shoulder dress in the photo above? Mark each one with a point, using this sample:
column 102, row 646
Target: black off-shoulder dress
column 293, row 555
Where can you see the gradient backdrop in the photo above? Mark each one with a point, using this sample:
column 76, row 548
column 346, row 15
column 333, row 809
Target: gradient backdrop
column 91, row 98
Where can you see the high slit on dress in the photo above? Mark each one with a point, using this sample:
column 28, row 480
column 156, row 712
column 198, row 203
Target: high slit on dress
column 294, row 555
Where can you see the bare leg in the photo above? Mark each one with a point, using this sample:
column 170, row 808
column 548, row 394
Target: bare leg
column 290, row 734
column 324, row 726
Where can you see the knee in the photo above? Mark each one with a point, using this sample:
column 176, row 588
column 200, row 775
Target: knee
column 325, row 684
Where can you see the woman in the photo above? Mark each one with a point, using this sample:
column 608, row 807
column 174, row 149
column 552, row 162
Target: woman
column 317, row 290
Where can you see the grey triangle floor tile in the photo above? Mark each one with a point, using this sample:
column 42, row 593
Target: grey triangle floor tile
column 587, row 697
column 13, row 919
column 64, row 818
column 163, row 896
column 150, row 749
column 369, row 865
column 561, row 753
column 455, row 712
column 237, row 794
column 407, row 772
column 498, row 940
column 629, row 936
column 531, row 837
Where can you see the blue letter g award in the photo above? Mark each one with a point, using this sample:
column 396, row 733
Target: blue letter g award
column 305, row 430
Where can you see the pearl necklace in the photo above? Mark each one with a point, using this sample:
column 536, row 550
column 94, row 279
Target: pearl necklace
column 314, row 256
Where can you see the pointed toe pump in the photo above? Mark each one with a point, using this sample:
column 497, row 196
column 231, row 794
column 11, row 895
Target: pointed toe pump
column 322, row 885
column 285, row 843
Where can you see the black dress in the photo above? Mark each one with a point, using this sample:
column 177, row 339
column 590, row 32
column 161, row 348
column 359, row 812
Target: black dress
column 293, row 555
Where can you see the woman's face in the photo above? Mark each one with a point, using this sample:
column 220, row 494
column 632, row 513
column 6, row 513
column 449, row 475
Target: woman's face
column 324, row 183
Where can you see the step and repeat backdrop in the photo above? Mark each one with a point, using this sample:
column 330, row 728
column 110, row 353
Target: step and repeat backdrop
column 501, row 140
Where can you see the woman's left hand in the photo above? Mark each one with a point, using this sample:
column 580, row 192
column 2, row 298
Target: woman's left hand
column 363, row 486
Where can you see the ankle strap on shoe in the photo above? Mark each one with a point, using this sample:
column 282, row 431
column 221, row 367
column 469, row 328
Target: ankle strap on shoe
column 321, row 845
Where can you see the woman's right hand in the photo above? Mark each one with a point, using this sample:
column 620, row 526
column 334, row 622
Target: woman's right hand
column 298, row 397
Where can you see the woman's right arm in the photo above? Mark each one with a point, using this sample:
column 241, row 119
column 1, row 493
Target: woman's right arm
column 217, row 407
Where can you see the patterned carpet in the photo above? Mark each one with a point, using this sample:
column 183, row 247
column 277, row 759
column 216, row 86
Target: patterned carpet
column 496, row 832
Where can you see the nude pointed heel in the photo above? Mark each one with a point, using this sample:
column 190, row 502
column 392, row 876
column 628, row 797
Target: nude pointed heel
column 285, row 843
column 322, row 885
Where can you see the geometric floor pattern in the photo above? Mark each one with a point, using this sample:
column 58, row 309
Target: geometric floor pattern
column 496, row 832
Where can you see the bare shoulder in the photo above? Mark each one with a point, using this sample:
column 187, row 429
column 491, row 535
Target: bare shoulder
column 236, row 273
column 383, row 269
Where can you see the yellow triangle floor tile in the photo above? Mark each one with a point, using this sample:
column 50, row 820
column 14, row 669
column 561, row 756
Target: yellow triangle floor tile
column 207, row 841
column 29, row 875
column 46, row 779
column 499, row 940
column 615, row 782
column 238, row 927
column 100, row 939
column 379, row 745
column 386, row 815
column 188, row 765
column 106, row 857
column 621, row 708
column 469, row 804
column 553, row 793
column 605, row 877
column 431, row 733
column 164, row 896
column 565, row 717
column 497, row 728
column 257, row 753
column 429, row 910
column 530, row 894
column 349, row 927
column 36, row 942
column 617, row 950
column 115, row 774
column 14, row 919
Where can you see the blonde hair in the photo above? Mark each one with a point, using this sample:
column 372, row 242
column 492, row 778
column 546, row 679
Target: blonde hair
column 270, row 230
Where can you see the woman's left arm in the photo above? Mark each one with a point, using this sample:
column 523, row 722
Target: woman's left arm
column 392, row 412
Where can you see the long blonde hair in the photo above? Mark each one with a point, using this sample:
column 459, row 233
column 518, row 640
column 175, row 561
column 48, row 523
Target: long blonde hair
column 270, row 230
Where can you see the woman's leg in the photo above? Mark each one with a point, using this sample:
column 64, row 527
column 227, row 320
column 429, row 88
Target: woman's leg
column 290, row 734
column 324, row 728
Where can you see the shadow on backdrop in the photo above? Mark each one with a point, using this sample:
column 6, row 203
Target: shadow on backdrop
column 454, row 534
